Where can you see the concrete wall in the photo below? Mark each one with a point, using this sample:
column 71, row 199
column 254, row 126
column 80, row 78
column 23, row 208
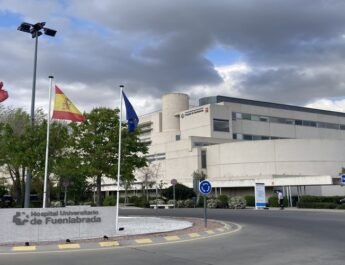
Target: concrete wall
column 275, row 157
column 52, row 224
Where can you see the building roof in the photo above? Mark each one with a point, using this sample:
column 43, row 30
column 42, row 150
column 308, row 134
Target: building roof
column 219, row 99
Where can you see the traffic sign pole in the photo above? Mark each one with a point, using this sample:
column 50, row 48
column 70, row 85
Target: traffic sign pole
column 205, row 211
column 205, row 188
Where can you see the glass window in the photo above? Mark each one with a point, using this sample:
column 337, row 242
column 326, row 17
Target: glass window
column 298, row 122
column 234, row 116
column 342, row 127
column 203, row 159
column 247, row 137
column 178, row 137
column 246, row 116
column 221, row 125
column 309, row 123
column 238, row 116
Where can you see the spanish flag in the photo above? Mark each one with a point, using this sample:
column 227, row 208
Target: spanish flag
column 64, row 109
column 3, row 93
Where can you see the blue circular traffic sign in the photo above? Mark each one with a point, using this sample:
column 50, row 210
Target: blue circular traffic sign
column 205, row 187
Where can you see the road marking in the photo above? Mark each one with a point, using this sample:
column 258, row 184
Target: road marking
column 193, row 235
column 69, row 246
column 235, row 226
column 171, row 238
column 109, row 244
column 220, row 229
column 210, row 232
column 26, row 248
column 143, row 241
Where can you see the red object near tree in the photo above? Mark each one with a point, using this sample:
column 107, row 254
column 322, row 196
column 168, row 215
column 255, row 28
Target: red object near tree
column 3, row 93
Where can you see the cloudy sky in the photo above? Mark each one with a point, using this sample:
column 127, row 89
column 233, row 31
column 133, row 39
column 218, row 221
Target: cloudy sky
column 289, row 52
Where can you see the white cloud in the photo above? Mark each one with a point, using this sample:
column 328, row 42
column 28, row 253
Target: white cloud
column 328, row 104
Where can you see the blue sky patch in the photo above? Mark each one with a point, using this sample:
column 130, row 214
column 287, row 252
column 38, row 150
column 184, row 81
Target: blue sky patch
column 9, row 19
column 223, row 56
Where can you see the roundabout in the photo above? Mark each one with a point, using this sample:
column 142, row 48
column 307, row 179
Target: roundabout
column 262, row 237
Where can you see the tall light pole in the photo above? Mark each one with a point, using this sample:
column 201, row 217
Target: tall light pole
column 35, row 30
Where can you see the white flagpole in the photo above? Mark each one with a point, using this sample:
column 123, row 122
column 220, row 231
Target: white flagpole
column 47, row 146
column 119, row 165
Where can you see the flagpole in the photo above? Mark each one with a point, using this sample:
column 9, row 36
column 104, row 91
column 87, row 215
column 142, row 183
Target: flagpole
column 47, row 146
column 119, row 164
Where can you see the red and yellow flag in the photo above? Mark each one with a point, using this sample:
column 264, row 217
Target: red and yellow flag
column 3, row 93
column 64, row 109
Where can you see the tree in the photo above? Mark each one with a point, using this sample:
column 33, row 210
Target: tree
column 23, row 147
column 197, row 177
column 182, row 192
column 148, row 176
column 96, row 143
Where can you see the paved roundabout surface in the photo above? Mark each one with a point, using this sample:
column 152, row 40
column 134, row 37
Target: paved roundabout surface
column 266, row 237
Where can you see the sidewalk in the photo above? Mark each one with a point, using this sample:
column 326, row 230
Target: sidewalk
column 300, row 209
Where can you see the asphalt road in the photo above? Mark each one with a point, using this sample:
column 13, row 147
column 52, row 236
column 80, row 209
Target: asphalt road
column 268, row 237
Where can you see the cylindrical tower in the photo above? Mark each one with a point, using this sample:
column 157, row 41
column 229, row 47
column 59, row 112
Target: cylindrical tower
column 172, row 104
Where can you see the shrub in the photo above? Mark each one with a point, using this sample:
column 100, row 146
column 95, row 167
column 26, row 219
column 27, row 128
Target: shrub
column 142, row 202
column 157, row 201
column 55, row 204
column 223, row 201
column 237, row 203
column 109, row 201
column 188, row 203
column 179, row 204
column 133, row 199
column 250, row 199
column 213, row 203
column 328, row 199
column 273, row 201
column 341, row 206
column 317, row 205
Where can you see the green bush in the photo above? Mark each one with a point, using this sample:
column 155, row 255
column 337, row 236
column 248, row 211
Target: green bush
column 273, row 201
column 250, row 199
column 133, row 199
column 223, row 201
column 237, row 203
column 142, row 202
column 325, row 199
column 188, row 203
column 341, row 207
column 109, row 201
column 317, row 205
column 213, row 203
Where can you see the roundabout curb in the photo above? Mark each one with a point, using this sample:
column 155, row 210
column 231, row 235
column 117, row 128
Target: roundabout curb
column 132, row 241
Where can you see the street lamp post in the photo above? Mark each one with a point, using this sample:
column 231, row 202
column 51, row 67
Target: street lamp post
column 35, row 30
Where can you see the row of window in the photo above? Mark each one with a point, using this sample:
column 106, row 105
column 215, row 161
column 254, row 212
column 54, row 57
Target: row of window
column 253, row 117
column 239, row 136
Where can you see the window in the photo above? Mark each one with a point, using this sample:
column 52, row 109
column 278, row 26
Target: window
column 246, row 116
column 178, row 137
column 309, row 123
column 203, row 159
column 298, row 122
column 247, row 137
column 221, row 125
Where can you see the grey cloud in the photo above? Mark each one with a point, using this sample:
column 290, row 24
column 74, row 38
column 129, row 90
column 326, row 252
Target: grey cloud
column 155, row 47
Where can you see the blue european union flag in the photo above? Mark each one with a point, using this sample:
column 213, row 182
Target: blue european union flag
column 131, row 116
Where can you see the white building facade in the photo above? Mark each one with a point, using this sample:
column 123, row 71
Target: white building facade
column 238, row 142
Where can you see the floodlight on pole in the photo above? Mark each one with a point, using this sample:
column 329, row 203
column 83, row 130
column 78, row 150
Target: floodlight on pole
column 35, row 30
